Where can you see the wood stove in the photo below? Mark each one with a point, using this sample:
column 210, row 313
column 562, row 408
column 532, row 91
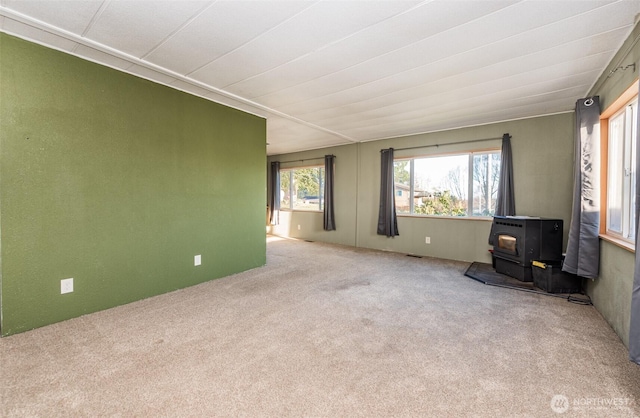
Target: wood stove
column 519, row 240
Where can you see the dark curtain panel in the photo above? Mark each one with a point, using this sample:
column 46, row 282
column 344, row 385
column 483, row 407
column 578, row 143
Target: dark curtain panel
column 634, row 327
column 387, row 220
column 274, row 193
column 583, row 249
column 329, row 213
column 505, row 201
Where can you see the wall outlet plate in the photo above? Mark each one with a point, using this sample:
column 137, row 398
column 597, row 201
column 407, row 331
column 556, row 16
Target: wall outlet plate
column 197, row 260
column 427, row 240
column 66, row 286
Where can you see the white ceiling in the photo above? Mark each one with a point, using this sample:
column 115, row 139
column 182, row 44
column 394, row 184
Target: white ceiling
column 331, row 72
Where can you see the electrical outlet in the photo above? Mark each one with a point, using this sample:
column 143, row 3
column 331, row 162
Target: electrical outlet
column 298, row 227
column 427, row 240
column 197, row 260
column 66, row 286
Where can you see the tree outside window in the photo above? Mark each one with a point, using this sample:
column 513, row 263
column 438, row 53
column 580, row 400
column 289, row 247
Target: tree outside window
column 302, row 188
column 441, row 185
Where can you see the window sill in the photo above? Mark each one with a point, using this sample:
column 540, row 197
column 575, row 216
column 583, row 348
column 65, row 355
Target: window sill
column 302, row 210
column 618, row 242
column 465, row 218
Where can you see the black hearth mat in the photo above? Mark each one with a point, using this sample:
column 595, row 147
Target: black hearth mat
column 485, row 273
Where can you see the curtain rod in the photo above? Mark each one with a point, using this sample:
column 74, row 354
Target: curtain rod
column 306, row 159
column 449, row 143
column 601, row 82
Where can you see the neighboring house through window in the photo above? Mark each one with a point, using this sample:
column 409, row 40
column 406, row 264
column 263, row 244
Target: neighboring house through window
column 442, row 186
column 403, row 197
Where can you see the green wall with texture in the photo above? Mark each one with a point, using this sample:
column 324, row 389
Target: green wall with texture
column 117, row 182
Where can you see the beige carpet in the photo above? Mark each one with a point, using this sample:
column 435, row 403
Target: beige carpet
column 327, row 331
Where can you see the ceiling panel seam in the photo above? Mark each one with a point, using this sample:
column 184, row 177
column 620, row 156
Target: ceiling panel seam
column 395, row 74
column 93, row 20
column 474, row 103
column 363, row 112
column 435, row 131
column 351, row 103
column 439, row 60
column 95, row 17
column 335, row 42
column 177, row 30
column 252, row 39
column 396, row 49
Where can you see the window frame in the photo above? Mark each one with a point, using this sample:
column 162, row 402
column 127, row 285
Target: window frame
column 321, row 199
column 470, row 182
column 614, row 110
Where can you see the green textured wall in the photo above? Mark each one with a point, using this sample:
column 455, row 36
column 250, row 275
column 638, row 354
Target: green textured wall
column 117, row 182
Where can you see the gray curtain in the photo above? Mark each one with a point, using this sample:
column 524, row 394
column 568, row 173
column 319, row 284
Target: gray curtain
column 274, row 193
column 634, row 327
column 505, row 201
column 329, row 213
column 387, row 220
column 583, row 249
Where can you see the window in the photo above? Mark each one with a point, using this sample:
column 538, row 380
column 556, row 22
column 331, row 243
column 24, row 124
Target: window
column 302, row 188
column 618, row 126
column 442, row 186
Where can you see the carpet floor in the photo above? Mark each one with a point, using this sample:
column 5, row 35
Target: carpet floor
column 326, row 331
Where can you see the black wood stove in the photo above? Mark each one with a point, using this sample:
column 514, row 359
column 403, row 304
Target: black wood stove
column 519, row 240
